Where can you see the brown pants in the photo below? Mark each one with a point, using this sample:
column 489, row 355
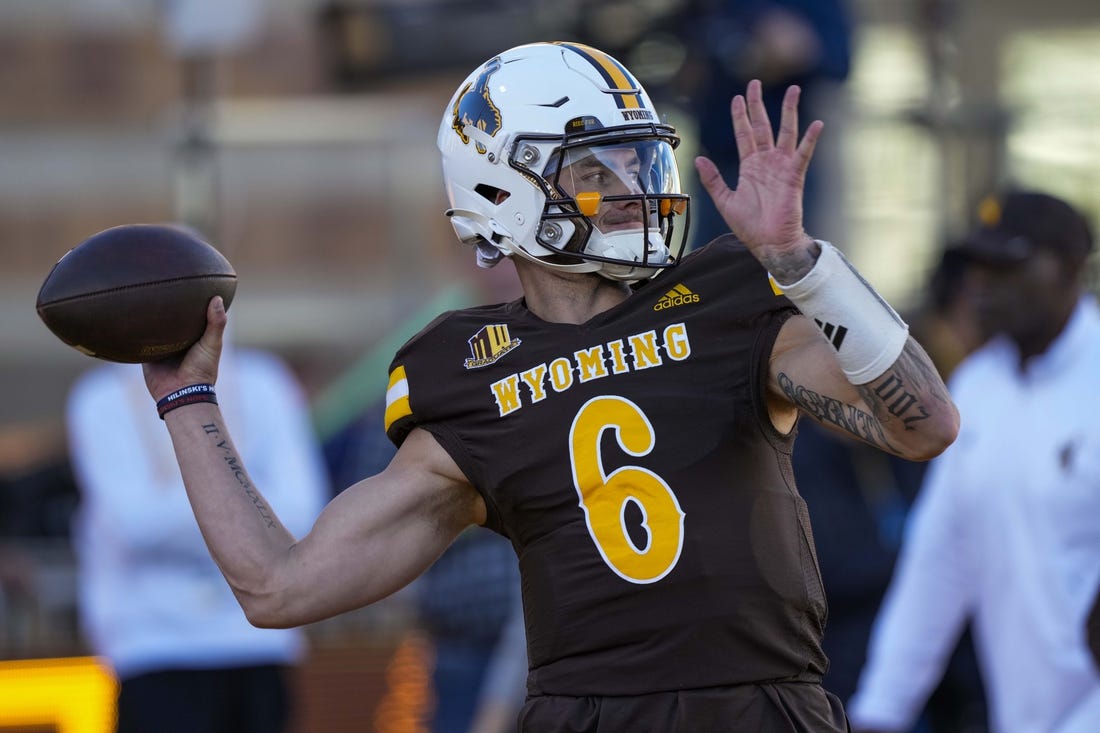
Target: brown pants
column 765, row 708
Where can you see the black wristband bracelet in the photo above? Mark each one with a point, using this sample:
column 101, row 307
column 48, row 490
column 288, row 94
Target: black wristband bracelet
column 188, row 395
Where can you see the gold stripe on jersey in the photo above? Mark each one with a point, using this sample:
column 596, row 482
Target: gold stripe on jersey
column 397, row 397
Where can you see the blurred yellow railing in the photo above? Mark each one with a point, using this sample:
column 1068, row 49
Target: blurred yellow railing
column 69, row 695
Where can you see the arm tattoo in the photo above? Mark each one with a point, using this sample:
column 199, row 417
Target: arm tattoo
column 790, row 267
column 830, row 411
column 897, row 400
column 235, row 467
column 895, row 390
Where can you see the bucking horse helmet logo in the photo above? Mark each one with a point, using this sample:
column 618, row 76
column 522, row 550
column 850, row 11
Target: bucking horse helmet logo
column 475, row 107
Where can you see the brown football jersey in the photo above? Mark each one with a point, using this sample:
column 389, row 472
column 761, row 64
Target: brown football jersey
column 630, row 460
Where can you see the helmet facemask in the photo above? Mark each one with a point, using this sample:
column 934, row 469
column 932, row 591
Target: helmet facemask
column 612, row 197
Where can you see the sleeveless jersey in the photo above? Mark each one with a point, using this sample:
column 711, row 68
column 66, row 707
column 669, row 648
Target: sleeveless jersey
column 631, row 462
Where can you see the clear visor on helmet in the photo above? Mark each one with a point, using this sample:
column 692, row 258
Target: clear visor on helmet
column 618, row 185
column 612, row 196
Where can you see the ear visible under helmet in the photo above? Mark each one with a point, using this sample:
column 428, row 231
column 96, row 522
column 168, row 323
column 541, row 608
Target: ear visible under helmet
column 515, row 138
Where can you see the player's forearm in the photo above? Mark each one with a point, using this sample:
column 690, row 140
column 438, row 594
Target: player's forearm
column 906, row 410
column 246, row 539
column 912, row 413
column 912, row 404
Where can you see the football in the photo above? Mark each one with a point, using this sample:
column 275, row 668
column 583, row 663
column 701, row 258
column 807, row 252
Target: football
column 135, row 293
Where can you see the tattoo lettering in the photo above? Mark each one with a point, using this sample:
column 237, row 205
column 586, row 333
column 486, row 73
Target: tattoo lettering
column 911, row 375
column 848, row 417
column 899, row 401
column 234, row 464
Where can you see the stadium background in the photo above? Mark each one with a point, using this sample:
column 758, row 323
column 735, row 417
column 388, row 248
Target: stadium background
column 310, row 154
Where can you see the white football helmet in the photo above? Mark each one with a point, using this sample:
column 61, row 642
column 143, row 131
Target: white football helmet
column 553, row 151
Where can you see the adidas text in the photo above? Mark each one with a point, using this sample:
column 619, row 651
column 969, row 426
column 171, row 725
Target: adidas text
column 679, row 295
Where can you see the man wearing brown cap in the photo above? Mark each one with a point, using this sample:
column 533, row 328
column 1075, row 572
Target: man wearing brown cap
column 1006, row 530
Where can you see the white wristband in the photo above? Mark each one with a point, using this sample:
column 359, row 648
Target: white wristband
column 866, row 332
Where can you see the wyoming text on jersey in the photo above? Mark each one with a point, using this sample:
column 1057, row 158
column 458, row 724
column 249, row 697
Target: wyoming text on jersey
column 638, row 351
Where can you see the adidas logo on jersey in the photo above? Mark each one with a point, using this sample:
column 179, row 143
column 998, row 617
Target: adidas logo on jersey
column 679, row 295
column 835, row 334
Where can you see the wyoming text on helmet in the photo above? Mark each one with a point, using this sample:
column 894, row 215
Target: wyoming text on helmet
column 553, row 151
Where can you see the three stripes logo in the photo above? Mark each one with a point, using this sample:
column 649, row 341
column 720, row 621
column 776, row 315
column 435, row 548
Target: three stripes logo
column 679, row 295
column 835, row 334
column 489, row 344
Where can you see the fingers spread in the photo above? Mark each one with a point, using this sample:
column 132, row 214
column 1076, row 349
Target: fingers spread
column 809, row 142
column 742, row 130
column 788, row 121
column 710, row 177
column 762, row 134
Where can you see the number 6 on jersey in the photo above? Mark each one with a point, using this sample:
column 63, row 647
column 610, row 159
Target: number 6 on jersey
column 604, row 498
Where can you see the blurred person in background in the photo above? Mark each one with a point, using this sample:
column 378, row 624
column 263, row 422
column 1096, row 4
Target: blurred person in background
column 780, row 42
column 859, row 498
column 1093, row 627
column 152, row 603
column 469, row 600
column 16, row 576
column 1004, row 532
column 669, row 582
column 504, row 685
column 945, row 321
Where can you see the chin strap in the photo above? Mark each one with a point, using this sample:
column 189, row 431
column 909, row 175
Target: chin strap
column 475, row 230
column 624, row 246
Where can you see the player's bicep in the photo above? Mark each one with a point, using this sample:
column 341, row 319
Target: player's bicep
column 381, row 533
column 804, row 375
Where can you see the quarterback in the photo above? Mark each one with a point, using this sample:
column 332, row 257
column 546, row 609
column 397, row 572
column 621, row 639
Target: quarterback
column 627, row 424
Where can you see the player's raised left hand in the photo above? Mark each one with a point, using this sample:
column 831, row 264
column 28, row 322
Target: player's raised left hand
column 765, row 209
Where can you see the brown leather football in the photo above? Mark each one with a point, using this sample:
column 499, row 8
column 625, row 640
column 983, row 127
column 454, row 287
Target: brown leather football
column 135, row 293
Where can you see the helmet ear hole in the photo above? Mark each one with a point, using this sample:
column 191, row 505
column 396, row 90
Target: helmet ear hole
column 492, row 193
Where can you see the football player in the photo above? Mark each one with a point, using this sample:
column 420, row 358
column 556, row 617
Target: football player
column 627, row 424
